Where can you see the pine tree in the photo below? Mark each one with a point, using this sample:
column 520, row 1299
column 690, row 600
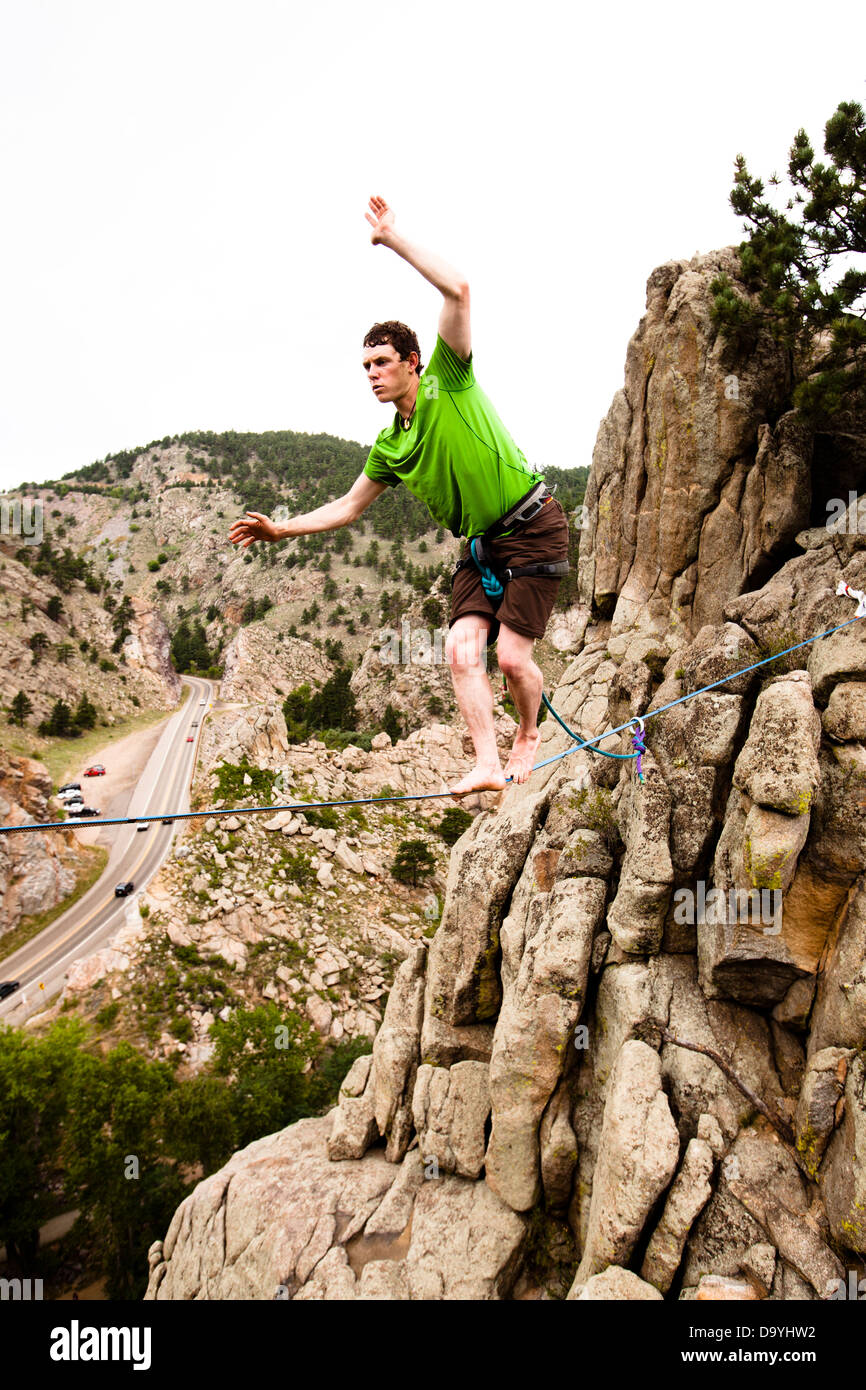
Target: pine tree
column 180, row 647
column 391, row 723
column 20, row 708
column 788, row 265
column 38, row 643
column 413, row 858
column 59, row 722
column 85, row 715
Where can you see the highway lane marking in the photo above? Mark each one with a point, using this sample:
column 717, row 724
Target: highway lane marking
column 80, row 948
column 59, row 942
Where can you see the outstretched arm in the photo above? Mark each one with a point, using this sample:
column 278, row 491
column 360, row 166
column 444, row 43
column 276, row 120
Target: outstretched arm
column 454, row 325
column 341, row 512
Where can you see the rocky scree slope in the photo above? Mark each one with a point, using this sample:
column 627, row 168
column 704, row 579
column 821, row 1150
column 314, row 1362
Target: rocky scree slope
column 282, row 908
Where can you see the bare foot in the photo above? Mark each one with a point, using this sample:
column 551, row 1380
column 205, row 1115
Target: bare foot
column 480, row 779
column 522, row 757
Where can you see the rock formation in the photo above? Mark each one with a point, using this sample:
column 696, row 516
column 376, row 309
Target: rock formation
column 530, row 1123
column 36, row 870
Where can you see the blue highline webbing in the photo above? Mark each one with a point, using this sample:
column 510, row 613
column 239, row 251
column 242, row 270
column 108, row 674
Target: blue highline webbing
column 425, row 796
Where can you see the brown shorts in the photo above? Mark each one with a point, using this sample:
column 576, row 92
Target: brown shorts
column 528, row 600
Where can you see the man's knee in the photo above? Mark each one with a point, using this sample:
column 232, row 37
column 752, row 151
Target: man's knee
column 514, row 653
column 466, row 643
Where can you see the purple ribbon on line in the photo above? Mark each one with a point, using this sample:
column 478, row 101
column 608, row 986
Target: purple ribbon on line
column 638, row 744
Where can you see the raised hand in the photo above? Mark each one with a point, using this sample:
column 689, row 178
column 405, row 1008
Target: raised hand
column 382, row 220
column 260, row 528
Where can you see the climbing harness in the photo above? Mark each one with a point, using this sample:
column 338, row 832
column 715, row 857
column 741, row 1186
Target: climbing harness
column 494, row 581
column 579, row 743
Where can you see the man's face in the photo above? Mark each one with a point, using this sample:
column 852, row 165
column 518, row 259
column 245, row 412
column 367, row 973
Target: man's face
column 388, row 374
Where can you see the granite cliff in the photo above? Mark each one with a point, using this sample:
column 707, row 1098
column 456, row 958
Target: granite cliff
column 581, row 1086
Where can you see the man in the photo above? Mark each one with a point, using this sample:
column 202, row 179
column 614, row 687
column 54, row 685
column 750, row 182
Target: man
column 448, row 445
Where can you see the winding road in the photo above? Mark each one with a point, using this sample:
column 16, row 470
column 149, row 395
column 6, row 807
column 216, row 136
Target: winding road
column 135, row 855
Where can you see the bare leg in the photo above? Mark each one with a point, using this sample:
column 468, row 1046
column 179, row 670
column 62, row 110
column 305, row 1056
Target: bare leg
column 465, row 649
column 525, row 684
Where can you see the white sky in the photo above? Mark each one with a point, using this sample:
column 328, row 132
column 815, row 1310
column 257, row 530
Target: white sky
column 184, row 185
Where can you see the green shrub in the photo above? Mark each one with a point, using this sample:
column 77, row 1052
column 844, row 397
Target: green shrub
column 327, row 818
column 299, row 868
column 453, row 824
column 189, row 955
column 656, row 662
column 596, row 812
column 778, row 639
column 413, row 860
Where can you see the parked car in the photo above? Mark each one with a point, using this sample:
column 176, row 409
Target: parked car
column 8, row 987
column 123, row 890
column 69, row 787
column 79, row 811
column 68, row 797
column 143, row 825
column 96, row 771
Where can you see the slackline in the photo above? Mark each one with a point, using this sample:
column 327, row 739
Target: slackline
column 588, row 744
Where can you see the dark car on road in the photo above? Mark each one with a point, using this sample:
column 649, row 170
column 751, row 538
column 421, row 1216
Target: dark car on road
column 8, row 987
column 123, row 890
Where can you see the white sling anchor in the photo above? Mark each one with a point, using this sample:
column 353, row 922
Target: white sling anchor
column 845, row 590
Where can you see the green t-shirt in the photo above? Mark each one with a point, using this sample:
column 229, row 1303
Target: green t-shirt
column 457, row 455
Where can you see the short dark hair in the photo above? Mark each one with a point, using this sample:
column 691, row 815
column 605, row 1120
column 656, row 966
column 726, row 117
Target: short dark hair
column 398, row 335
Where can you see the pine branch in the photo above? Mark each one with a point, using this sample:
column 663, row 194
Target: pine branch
column 784, row 1131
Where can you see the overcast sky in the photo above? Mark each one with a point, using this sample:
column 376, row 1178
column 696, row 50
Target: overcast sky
column 184, row 187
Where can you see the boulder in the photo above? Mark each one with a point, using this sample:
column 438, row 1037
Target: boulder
column 450, row 1109
column 542, row 1003
column 637, row 915
column 687, row 1198
column 638, row 1156
column 614, row 1283
column 844, row 1168
column 818, row 1106
column 778, row 766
